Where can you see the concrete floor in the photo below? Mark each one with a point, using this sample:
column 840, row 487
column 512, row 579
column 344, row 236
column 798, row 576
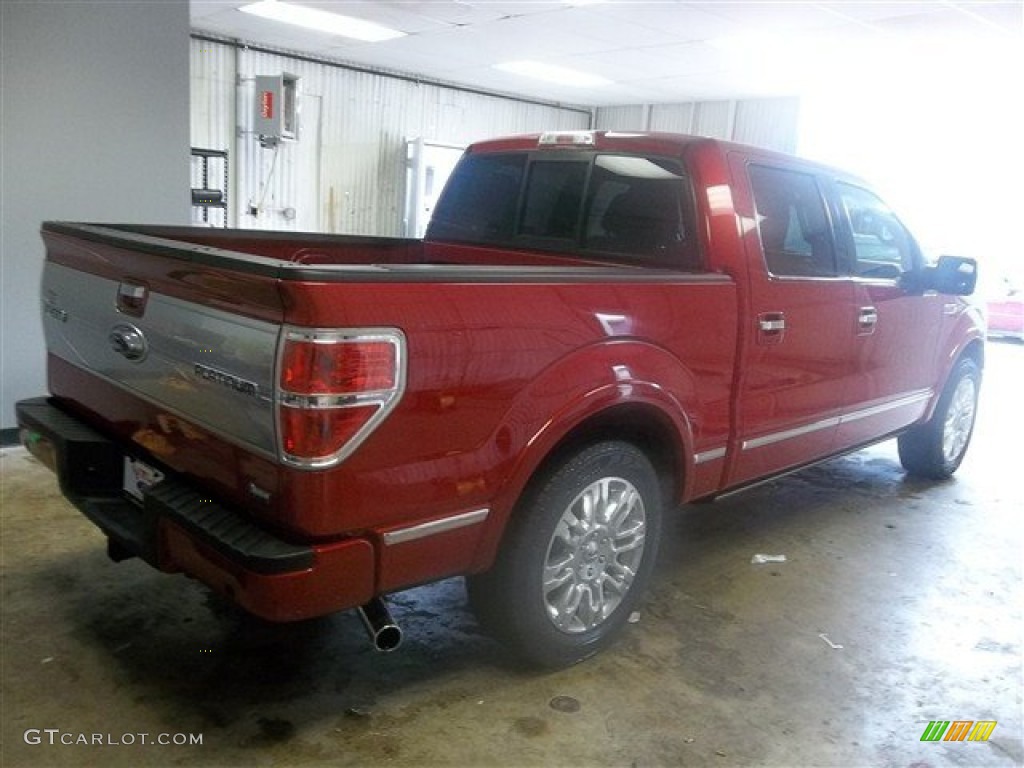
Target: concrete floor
column 899, row 603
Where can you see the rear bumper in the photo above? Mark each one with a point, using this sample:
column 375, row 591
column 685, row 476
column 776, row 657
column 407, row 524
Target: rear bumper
column 177, row 528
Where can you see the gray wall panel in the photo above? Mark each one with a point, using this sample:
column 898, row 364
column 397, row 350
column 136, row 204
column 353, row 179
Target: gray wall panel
column 94, row 127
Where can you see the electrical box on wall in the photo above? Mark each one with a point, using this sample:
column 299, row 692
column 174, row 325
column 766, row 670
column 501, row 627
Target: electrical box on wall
column 276, row 114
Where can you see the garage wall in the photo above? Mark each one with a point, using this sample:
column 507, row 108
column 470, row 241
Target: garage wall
column 769, row 123
column 94, row 128
column 346, row 172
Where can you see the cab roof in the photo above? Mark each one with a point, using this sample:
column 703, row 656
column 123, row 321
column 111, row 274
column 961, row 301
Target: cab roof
column 654, row 143
column 622, row 141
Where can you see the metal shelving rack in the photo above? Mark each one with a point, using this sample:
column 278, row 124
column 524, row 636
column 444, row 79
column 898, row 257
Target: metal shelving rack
column 206, row 197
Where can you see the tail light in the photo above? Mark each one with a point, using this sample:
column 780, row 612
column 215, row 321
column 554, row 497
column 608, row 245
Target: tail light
column 335, row 388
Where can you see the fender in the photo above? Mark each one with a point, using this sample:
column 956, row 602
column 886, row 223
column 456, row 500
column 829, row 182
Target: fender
column 582, row 385
column 968, row 330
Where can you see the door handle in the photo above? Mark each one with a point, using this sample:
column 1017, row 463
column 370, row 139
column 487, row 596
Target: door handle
column 771, row 327
column 867, row 319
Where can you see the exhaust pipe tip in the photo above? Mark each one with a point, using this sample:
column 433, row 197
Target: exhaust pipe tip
column 384, row 633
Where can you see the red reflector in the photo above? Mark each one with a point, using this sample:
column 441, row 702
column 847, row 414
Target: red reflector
column 348, row 367
column 312, row 434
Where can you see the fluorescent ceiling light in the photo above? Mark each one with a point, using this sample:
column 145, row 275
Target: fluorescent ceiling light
column 322, row 21
column 553, row 74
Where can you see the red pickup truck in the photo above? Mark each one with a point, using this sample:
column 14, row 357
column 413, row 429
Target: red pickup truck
column 597, row 328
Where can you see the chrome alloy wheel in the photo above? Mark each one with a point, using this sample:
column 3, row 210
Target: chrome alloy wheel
column 959, row 419
column 594, row 555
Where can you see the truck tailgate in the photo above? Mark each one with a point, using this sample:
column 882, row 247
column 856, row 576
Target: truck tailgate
column 191, row 346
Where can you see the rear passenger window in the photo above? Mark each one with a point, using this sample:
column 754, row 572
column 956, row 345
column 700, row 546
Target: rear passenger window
column 882, row 246
column 793, row 224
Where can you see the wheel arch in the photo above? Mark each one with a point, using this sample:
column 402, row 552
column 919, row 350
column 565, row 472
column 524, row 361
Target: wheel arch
column 972, row 349
column 659, row 434
column 975, row 350
column 644, row 425
column 619, row 388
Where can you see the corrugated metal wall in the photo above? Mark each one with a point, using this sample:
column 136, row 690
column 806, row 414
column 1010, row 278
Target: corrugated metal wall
column 628, row 117
column 346, row 172
column 212, row 87
column 770, row 123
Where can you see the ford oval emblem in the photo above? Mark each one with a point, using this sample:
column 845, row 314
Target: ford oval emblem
column 129, row 342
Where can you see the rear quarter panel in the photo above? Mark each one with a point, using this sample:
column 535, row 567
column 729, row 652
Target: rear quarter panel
column 498, row 373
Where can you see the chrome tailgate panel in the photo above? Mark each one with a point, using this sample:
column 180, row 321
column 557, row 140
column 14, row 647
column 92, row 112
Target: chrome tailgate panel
column 207, row 366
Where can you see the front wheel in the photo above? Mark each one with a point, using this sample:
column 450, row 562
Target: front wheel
column 936, row 448
column 577, row 557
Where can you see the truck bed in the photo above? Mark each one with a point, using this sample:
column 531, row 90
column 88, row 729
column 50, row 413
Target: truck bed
column 313, row 256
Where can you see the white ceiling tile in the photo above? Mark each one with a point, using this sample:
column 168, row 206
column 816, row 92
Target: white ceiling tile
column 680, row 21
column 456, row 45
column 618, row 31
column 527, row 37
column 880, row 9
column 501, row 10
column 652, row 50
column 201, row 8
column 769, row 15
column 657, row 61
column 1007, row 15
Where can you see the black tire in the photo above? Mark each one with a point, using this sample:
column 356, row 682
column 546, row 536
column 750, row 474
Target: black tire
column 936, row 448
column 589, row 564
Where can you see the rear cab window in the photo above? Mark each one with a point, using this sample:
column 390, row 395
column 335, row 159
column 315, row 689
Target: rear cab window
column 613, row 207
column 480, row 201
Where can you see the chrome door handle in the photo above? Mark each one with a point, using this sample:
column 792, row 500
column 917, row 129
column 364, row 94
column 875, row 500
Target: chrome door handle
column 867, row 319
column 771, row 328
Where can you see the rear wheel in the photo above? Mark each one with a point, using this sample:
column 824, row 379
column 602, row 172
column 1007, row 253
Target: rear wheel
column 576, row 559
column 936, row 448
